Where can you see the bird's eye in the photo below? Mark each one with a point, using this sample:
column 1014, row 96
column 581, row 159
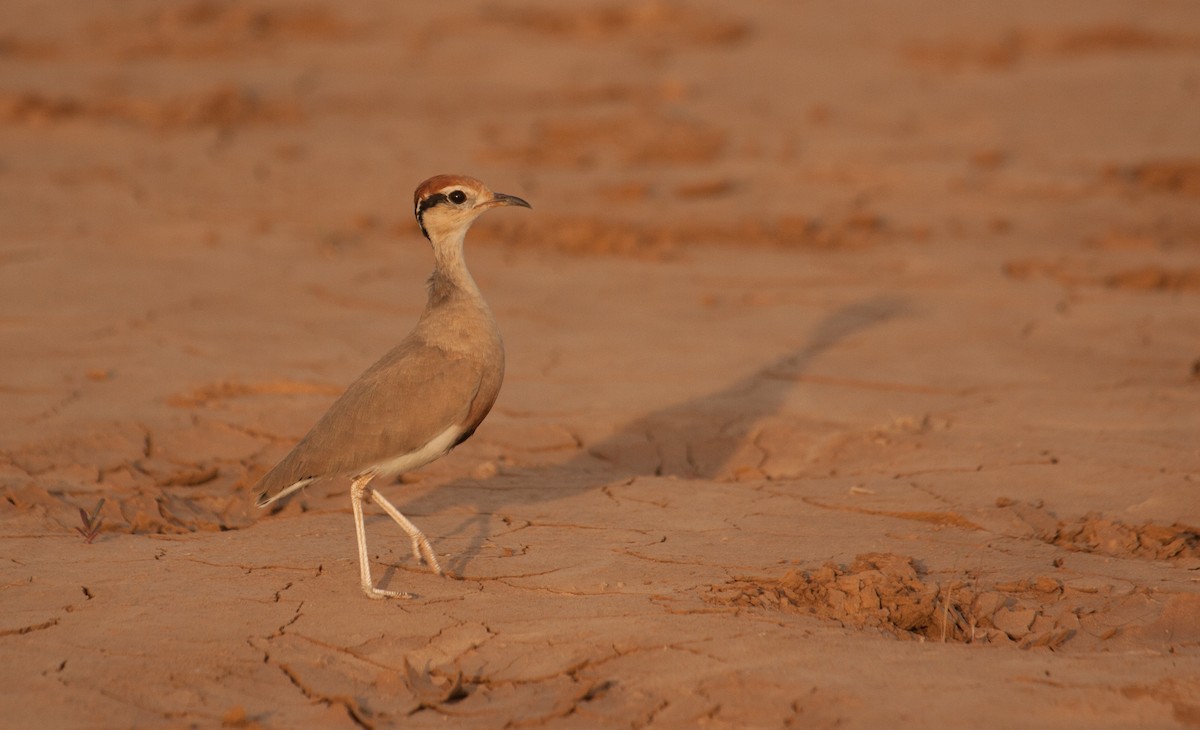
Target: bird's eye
column 457, row 197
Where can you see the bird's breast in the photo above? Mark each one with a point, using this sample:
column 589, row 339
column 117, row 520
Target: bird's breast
column 465, row 327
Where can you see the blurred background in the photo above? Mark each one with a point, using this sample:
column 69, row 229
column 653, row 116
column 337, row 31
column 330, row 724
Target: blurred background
column 639, row 127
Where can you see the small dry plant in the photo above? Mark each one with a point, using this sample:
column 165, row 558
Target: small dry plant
column 91, row 523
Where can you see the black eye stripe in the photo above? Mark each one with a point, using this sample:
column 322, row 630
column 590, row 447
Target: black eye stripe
column 425, row 205
column 429, row 202
column 456, row 197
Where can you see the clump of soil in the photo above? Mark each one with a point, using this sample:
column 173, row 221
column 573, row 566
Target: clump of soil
column 1095, row 533
column 891, row 594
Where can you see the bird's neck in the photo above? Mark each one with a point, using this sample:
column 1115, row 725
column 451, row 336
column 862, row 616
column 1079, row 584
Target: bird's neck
column 450, row 278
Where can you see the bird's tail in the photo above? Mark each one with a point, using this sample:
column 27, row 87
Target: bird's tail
column 265, row 497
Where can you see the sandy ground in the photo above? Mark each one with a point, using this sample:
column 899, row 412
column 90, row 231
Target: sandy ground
column 853, row 374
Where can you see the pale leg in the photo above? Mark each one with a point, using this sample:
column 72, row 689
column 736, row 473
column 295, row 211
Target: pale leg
column 420, row 546
column 358, row 488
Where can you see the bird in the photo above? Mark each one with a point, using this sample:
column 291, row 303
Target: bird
column 426, row 395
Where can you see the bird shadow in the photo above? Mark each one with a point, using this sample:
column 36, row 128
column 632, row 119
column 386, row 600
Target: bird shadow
column 697, row 438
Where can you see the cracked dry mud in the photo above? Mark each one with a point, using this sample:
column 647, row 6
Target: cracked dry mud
column 871, row 403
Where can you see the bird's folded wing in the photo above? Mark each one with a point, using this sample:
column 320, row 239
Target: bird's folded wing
column 395, row 408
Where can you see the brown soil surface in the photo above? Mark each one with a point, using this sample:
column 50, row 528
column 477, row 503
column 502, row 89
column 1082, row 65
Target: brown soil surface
column 853, row 375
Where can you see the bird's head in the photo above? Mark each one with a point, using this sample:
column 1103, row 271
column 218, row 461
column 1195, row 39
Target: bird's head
column 446, row 205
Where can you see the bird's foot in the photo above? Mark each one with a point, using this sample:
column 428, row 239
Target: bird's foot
column 380, row 594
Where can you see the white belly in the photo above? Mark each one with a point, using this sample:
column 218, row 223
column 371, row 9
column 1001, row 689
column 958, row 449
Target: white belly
column 436, row 447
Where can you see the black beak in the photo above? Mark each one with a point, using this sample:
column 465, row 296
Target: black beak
column 503, row 199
